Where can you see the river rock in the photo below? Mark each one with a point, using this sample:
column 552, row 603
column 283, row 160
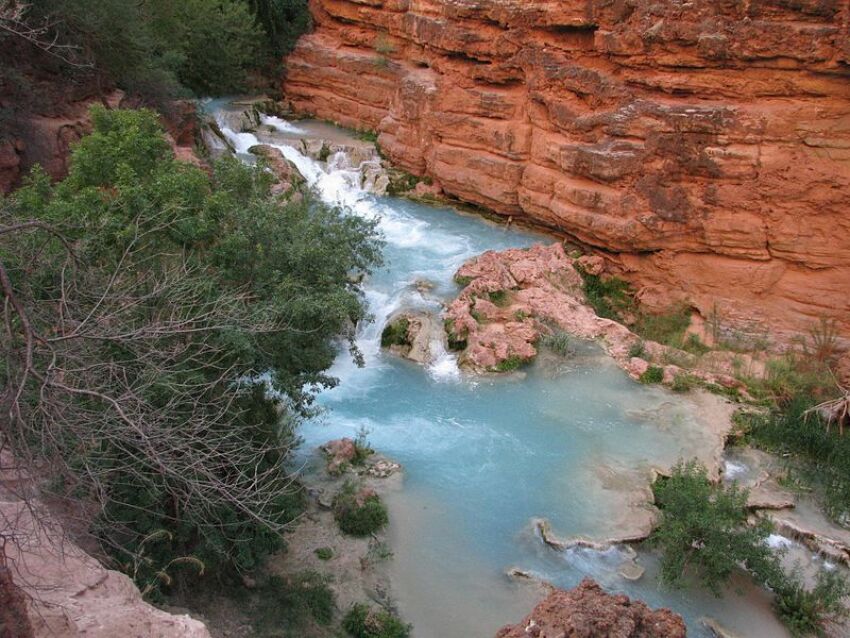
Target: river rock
column 591, row 264
column 287, row 174
column 70, row 594
column 413, row 335
column 514, row 296
column 383, row 468
column 631, row 570
column 589, row 612
column 339, row 453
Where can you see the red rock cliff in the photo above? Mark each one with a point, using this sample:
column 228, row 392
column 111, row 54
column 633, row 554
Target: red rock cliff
column 704, row 143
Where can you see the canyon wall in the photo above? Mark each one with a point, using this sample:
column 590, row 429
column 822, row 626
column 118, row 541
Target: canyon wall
column 703, row 146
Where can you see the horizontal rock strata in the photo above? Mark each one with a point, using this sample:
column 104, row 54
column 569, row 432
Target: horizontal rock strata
column 703, row 145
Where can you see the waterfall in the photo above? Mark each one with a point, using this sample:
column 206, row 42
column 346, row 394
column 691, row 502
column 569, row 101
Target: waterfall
column 346, row 180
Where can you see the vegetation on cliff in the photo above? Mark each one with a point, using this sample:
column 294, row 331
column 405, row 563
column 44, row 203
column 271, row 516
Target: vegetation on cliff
column 156, row 49
column 165, row 330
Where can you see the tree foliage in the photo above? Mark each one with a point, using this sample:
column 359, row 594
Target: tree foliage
column 158, row 48
column 283, row 21
column 704, row 529
column 165, row 329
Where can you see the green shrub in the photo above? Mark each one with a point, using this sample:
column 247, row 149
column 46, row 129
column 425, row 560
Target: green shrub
column 395, row 333
column 455, row 342
column 362, row 449
column 283, row 22
column 823, row 456
column 694, row 345
column 653, row 374
column 638, row 349
column 513, row 362
column 558, row 342
column 367, row 135
column 324, row 553
column 383, row 45
column 499, row 298
column 363, row 622
column 806, row 611
column 188, row 282
column 683, row 382
column 667, row 328
column 611, row 298
column 704, row 529
column 793, row 376
column 359, row 519
column 288, row 602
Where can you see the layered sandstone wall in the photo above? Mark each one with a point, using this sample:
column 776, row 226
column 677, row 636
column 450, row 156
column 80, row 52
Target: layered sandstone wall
column 704, row 144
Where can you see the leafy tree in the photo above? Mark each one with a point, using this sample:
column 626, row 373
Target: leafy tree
column 211, row 44
column 159, row 48
column 283, row 22
column 704, row 528
column 166, row 330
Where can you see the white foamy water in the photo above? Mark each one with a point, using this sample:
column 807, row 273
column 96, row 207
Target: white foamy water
column 733, row 470
column 281, row 125
column 777, row 541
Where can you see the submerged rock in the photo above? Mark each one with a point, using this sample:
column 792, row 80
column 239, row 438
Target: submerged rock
column 717, row 630
column 544, row 530
column 589, row 612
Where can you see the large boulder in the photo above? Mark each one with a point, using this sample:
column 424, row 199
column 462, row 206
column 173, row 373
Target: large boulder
column 589, row 612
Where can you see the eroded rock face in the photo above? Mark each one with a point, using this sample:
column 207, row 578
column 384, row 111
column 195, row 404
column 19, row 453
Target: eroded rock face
column 589, row 612
column 705, row 143
column 70, row 594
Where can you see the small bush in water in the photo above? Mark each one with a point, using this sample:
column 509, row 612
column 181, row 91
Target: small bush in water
column 558, row 342
column 359, row 518
column 513, row 362
column 705, row 529
column 363, row 622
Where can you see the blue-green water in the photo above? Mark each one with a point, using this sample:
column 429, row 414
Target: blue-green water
column 568, row 440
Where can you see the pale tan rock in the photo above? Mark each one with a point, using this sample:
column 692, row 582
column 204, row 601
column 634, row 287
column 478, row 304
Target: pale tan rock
column 73, row 595
column 591, row 264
